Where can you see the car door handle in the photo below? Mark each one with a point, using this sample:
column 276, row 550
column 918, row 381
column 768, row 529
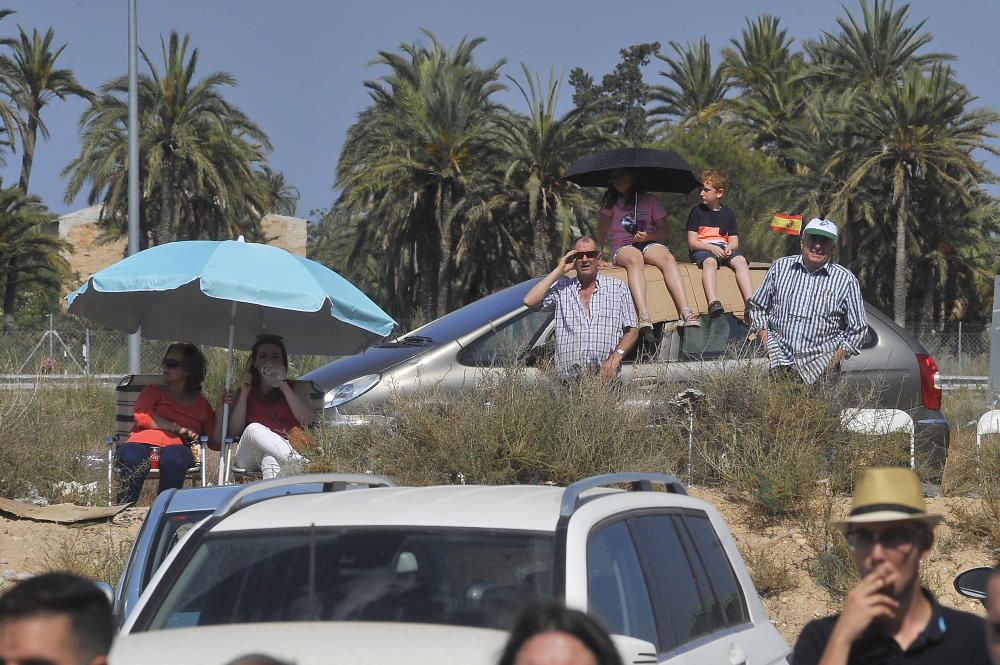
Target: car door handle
column 737, row 656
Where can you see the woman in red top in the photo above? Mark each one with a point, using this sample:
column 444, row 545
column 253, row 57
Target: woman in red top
column 172, row 416
column 265, row 409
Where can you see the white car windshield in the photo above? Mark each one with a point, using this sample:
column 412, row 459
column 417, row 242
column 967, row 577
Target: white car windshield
column 466, row 577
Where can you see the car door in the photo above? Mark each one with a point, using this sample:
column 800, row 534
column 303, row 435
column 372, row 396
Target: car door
column 684, row 353
column 709, row 614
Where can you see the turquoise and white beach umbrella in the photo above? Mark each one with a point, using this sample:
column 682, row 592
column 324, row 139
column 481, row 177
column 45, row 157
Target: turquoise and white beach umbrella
column 226, row 293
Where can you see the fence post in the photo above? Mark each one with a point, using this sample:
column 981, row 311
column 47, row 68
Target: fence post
column 960, row 349
column 86, row 351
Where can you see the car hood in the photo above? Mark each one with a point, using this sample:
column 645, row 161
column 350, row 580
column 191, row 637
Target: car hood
column 314, row 643
column 376, row 359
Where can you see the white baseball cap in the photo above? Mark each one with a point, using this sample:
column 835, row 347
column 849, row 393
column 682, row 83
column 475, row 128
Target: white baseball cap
column 821, row 227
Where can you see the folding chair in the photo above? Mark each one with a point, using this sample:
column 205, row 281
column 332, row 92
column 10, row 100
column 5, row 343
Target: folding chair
column 126, row 393
column 880, row 422
column 310, row 394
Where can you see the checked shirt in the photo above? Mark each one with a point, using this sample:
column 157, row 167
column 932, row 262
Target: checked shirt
column 808, row 315
column 584, row 342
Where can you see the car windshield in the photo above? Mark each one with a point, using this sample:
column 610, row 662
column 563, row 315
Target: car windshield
column 468, row 318
column 447, row 576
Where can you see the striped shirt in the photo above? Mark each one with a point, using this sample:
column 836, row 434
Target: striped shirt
column 808, row 315
column 584, row 342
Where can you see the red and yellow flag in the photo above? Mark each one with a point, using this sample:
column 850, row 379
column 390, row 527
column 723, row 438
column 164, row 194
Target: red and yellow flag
column 790, row 224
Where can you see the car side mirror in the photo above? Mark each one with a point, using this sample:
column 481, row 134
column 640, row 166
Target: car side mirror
column 634, row 650
column 972, row 583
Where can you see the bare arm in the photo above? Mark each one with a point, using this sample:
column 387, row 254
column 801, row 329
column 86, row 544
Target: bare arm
column 300, row 409
column 534, row 297
column 238, row 406
column 603, row 224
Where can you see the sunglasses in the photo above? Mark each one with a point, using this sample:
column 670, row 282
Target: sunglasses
column 891, row 539
column 590, row 254
column 170, row 363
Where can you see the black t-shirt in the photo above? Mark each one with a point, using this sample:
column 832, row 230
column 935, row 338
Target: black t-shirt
column 712, row 225
column 951, row 636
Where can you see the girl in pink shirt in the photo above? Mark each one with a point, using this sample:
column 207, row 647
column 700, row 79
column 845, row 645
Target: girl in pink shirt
column 635, row 223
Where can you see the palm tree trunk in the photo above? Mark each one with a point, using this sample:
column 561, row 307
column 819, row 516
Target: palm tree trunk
column 10, row 296
column 166, row 200
column 28, row 156
column 444, row 267
column 540, row 246
column 899, row 284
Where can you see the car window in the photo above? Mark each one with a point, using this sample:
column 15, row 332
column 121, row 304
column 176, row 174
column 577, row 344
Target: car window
column 726, row 588
column 505, row 345
column 174, row 527
column 683, row 614
column 871, row 338
column 616, row 589
column 715, row 337
column 447, row 576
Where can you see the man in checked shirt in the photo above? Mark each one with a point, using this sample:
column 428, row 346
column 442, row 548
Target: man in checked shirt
column 594, row 314
column 808, row 310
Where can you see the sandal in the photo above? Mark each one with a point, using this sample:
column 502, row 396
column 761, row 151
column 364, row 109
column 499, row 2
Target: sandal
column 689, row 319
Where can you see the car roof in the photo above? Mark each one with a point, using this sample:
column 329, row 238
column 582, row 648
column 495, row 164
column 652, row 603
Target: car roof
column 519, row 507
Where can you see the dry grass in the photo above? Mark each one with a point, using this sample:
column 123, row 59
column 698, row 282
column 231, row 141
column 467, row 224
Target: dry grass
column 770, row 576
column 94, row 558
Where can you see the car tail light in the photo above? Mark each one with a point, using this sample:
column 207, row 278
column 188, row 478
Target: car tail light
column 930, row 382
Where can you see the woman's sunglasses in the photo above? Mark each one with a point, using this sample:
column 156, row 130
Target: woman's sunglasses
column 170, row 363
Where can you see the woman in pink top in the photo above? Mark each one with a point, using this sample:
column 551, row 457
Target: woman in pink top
column 635, row 223
column 172, row 417
column 266, row 409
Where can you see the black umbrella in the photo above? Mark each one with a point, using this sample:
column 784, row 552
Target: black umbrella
column 659, row 170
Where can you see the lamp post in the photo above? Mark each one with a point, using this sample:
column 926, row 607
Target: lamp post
column 133, row 167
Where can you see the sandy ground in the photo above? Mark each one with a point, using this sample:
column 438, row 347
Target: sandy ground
column 27, row 546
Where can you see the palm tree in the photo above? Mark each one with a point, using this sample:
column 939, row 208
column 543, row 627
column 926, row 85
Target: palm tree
column 197, row 151
column 39, row 255
column 32, row 81
column 411, row 157
column 282, row 196
column 761, row 64
column 700, row 89
column 538, row 148
column 871, row 54
column 919, row 129
column 12, row 123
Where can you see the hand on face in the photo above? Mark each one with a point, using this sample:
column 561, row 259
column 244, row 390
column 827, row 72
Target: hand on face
column 870, row 599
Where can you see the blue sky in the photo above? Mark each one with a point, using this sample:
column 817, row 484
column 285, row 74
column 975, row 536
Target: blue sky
column 300, row 64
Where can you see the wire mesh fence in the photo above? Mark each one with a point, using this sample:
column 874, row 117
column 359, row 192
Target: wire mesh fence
column 73, row 347
column 78, row 349
column 960, row 349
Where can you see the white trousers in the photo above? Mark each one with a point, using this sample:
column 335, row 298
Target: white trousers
column 260, row 448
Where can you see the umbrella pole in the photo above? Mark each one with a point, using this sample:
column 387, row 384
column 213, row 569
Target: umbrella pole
column 225, row 388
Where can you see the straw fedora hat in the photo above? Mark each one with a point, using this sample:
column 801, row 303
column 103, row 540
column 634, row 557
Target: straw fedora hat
column 888, row 495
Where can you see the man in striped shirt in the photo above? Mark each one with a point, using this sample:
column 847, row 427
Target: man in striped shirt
column 595, row 321
column 808, row 311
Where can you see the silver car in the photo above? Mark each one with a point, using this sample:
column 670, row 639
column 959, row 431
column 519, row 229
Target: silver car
column 494, row 332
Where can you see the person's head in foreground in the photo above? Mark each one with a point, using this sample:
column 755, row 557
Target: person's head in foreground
column 257, row 659
column 55, row 619
column 993, row 615
column 889, row 530
column 548, row 633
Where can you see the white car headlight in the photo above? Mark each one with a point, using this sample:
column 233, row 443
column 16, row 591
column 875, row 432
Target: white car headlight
column 353, row 389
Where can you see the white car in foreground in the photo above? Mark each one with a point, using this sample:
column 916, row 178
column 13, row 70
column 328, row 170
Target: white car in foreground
column 438, row 574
